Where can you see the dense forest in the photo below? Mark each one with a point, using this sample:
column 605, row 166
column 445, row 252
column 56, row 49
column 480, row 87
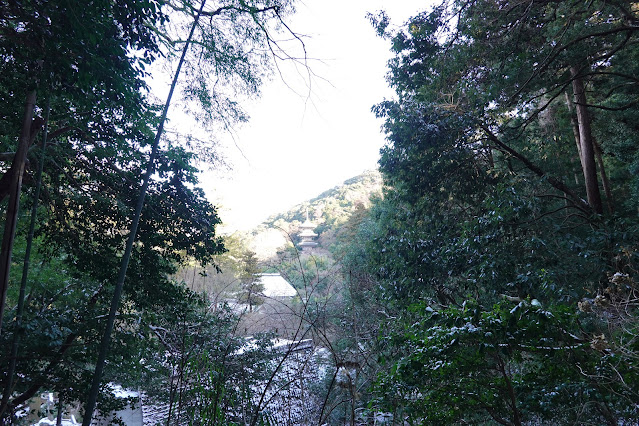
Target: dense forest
column 505, row 246
column 487, row 276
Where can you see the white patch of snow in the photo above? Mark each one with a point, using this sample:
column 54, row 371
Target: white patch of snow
column 276, row 286
column 119, row 392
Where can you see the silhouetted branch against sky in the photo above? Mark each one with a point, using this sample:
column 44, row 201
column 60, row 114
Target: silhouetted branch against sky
column 312, row 127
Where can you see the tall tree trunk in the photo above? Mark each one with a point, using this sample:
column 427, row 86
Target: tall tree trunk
column 17, row 168
column 124, row 264
column 58, row 420
column 586, row 143
column 605, row 182
column 25, row 271
column 575, row 132
column 598, row 156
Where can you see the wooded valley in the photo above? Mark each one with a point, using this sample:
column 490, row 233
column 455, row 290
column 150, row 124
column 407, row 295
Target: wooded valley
column 486, row 274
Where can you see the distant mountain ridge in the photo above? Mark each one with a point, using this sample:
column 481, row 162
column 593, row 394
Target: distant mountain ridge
column 329, row 210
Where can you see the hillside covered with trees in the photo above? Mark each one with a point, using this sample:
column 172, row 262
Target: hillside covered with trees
column 329, row 211
column 488, row 274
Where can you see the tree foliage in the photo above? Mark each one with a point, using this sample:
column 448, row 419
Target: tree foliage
column 508, row 285
column 89, row 61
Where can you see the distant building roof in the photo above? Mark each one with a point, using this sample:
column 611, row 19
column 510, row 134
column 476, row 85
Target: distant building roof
column 307, row 233
column 276, row 286
column 308, row 224
column 307, row 244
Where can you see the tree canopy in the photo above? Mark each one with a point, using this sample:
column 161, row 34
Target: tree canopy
column 505, row 243
column 86, row 63
column 494, row 280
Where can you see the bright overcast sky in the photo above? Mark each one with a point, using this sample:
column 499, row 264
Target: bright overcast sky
column 292, row 149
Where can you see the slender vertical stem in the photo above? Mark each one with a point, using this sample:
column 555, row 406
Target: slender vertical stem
column 605, row 182
column 586, row 142
column 25, row 270
column 115, row 302
column 58, row 420
column 575, row 130
column 17, row 168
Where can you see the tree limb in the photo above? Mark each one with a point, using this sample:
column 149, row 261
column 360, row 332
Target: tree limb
column 556, row 183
